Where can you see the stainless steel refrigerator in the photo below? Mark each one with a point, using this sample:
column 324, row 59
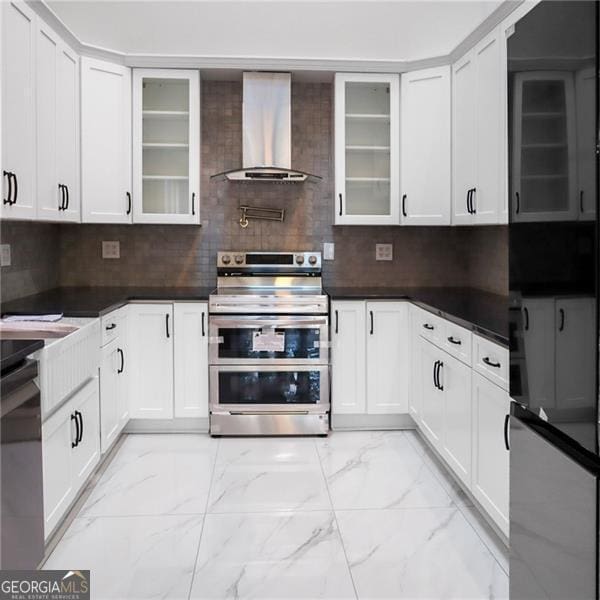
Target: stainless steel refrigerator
column 553, row 274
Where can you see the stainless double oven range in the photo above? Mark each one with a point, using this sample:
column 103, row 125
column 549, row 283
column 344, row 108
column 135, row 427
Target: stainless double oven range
column 269, row 345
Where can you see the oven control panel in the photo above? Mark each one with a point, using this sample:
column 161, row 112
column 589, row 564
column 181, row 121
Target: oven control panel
column 275, row 260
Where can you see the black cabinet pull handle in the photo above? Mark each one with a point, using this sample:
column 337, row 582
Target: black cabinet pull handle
column 74, row 418
column 518, row 207
column 428, row 326
column 128, row 194
column 490, row 363
column 371, row 313
column 404, row 206
column 562, row 319
column 203, row 329
column 111, row 326
column 435, row 364
column 122, row 367
column 193, row 203
column 581, row 200
column 337, row 321
column 8, row 199
column 66, row 188
column 167, row 325
column 526, row 313
column 469, row 210
column 440, row 367
column 16, row 188
column 473, row 206
column 61, row 203
column 454, row 341
column 80, row 418
column 340, row 196
column 506, row 424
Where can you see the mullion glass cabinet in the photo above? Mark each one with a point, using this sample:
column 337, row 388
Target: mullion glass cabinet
column 166, row 146
column 367, row 139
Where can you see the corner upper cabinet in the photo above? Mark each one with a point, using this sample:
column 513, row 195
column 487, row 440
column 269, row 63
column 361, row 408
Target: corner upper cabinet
column 478, row 142
column 105, row 142
column 166, row 146
column 425, row 145
column 367, row 139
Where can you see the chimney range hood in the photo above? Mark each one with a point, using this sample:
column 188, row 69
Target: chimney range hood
column 267, row 132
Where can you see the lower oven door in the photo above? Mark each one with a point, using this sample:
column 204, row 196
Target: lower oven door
column 264, row 340
column 274, row 389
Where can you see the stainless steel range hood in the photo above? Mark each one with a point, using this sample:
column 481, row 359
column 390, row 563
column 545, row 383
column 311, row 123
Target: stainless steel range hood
column 267, row 132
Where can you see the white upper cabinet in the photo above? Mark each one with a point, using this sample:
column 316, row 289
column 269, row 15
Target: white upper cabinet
column 57, row 91
column 479, row 147
column 166, row 146
column 544, row 175
column 367, row 112
column 425, row 147
column 585, row 101
column 105, row 142
column 18, row 111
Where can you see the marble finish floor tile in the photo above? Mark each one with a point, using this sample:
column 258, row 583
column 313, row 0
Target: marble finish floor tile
column 419, row 553
column 278, row 555
column 132, row 557
column 378, row 470
column 155, row 475
column 268, row 475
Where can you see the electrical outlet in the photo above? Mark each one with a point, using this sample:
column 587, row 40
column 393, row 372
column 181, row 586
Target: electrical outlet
column 5, row 255
column 384, row 252
column 111, row 250
column 328, row 251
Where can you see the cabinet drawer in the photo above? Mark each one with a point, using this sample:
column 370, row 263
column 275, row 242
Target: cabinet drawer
column 430, row 326
column 491, row 360
column 112, row 324
column 458, row 342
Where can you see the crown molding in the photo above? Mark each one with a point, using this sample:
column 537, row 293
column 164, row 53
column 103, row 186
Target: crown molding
column 270, row 63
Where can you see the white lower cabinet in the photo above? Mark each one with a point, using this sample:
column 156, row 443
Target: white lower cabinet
column 369, row 357
column 387, row 357
column 490, row 479
column 151, row 361
column 191, row 359
column 432, row 398
column 71, row 451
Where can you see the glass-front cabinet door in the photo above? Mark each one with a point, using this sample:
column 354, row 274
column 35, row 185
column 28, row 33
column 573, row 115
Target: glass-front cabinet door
column 166, row 146
column 366, row 149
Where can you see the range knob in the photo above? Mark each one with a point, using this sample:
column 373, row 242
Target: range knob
column 239, row 259
column 226, row 259
column 312, row 260
column 300, row 259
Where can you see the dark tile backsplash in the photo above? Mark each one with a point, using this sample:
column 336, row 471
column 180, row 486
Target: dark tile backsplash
column 186, row 255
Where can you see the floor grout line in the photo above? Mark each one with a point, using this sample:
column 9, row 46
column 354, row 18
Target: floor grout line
column 337, row 524
column 204, row 518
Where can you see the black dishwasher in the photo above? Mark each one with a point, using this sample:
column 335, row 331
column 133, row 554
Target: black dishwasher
column 22, row 514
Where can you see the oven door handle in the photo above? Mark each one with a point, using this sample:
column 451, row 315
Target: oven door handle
column 269, row 323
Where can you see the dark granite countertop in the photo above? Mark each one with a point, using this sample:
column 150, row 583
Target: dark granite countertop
column 482, row 312
column 14, row 351
column 97, row 301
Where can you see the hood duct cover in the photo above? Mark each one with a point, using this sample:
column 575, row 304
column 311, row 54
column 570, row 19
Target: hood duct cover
column 267, row 131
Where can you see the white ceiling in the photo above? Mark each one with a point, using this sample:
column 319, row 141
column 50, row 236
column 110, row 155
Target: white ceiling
column 389, row 30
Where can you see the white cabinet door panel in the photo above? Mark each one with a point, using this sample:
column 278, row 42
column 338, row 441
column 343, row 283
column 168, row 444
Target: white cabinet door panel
column 490, row 479
column 151, row 361
column 432, row 398
column 455, row 378
column 585, row 102
column 105, row 142
column 18, row 110
column 191, row 359
column 109, row 394
column 348, row 357
column 425, row 147
column 387, row 357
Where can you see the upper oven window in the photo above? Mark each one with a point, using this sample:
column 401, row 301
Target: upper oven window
column 285, row 342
